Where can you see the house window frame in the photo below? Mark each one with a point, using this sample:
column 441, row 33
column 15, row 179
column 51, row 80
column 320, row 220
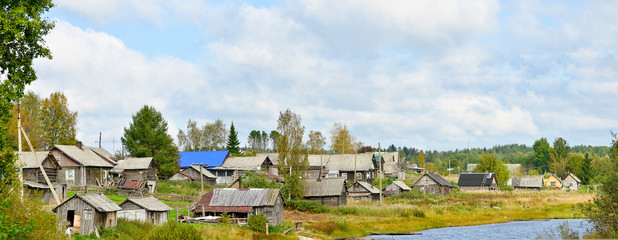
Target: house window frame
column 432, row 190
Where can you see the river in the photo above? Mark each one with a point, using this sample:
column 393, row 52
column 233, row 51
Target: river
column 510, row 230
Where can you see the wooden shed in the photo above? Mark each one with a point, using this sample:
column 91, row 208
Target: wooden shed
column 528, row 182
column 477, row 182
column 327, row 191
column 396, row 188
column 571, row 182
column 239, row 204
column 434, row 184
column 148, row 209
column 31, row 170
column 137, row 169
column 87, row 212
column 192, row 173
column 363, row 191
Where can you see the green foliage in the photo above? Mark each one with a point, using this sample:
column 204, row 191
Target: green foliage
column 490, row 163
column 418, row 213
column 127, row 229
column 420, row 159
column 16, row 221
column 341, row 139
column 306, row 206
column 232, row 141
column 181, row 187
column 258, row 180
column 558, row 155
column 603, row 211
column 258, row 141
column 533, row 172
column 564, row 232
column 147, row 136
column 173, row 230
column 541, row 154
column 30, row 114
column 225, row 219
column 316, row 142
column 258, row 222
column 58, row 122
column 412, row 194
column 585, row 172
column 293, row 161
column 385, row 181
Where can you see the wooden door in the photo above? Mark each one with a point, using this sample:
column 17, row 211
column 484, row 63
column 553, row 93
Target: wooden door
column 77, row 222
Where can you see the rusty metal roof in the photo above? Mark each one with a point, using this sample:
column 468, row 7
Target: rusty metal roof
column 325, row 187
column 130, row 184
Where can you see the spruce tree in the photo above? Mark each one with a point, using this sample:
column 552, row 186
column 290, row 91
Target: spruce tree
column 232, row 141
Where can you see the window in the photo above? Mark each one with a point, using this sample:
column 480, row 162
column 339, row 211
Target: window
column 433, row 190
column 553, row 184
column 87, row 214
column 344, row 175
column 571, row 184
column 70, row 175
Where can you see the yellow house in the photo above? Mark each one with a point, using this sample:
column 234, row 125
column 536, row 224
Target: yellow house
column 552, row 181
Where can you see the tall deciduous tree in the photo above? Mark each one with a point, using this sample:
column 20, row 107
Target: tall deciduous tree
column 316, row 142
column 193, row 139
column 59, row 123
column 147, row 136
column 341, row 139
column 274, row 137
column 215, row 135
column 558, row 155
column 30, row 112
column 541, row 154
column 491, row 163
column 420, row 159
column 293, row 161
column 232, row 140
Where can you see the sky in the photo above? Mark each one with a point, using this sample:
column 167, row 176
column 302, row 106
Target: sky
column 436, row 74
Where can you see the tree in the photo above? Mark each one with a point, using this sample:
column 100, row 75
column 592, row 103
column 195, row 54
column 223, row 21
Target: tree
column 193, row 139
column 255, row 140
column 586, row 173
column 558, row 155
column 147, row 137
column 541, row 154
column 293, row 162
column 491, row 163
column 316, row 142
column 341, row 140
column 59, row 123
column 30, row 112
column 603, row 211
column 215, row 135
column 274, row 137
column 232, row 141
column 420, row 159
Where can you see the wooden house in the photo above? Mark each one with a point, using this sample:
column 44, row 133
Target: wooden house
column 192, row 173
column 233, row 167
column 34, row 181
column 391, row 163
column 528, row 182
column 345, row 166
column 395, row 188
column 148, row 209
column 363, row 191
column 44, row 193
column 327, row 191
column 208, row 160
column 551, row 180
column 138, row 169
column 571, row 182
column 83, row 165
column 87, row 212
column 477, row 182
column 434, row 184
column 242, row 203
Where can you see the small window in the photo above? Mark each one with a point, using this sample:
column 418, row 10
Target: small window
column 433, row 190
column 87, row 214
column 344, row 175
column 553, row 184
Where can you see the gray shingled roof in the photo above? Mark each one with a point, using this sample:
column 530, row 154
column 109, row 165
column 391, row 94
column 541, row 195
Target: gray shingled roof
column 149, row 203
column 86, row 155
column 528, row 181
column 573, row 176
column 369, row 187
column 233, row 197
column 97, row 200
column 325, row 187
column 29, row 160
column 244, row 163
column 476, row 179
column 401, row 185
column 205, row 171
column 343, row 162
column 440, row 180
column 132, row 164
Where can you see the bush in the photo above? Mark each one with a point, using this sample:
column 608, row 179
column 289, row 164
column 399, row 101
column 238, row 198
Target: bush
column 418, row 213
column 127, row 229
column 258, row 222
column 174, row 230
column 225, row 219
column 346, row 210
column 413, row 194
column 307, row 206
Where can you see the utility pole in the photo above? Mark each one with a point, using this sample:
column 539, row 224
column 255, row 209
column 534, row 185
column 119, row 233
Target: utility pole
column 202, row 179
column 99, row 139
column 21, row 174
column 380, row 173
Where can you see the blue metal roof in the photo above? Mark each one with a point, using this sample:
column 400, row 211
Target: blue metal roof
column 210, row 158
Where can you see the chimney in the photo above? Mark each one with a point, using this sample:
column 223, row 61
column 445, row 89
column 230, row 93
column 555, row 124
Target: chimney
column 79, row 144
column 239, row 182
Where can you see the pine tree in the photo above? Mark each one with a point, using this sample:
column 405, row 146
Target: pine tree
column 586, row 172
column 232, row 140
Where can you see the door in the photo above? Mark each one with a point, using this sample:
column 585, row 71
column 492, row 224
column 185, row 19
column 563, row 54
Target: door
column 77, row 223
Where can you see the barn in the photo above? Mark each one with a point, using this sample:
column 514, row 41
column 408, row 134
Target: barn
column 528, row 182
column 239, row 204
column 148, row 209
column 87, row 212
column 477, row 182
column 396, row 188
column 327, row 191
column 363, row 191
column 434, row 184
column 571, row 182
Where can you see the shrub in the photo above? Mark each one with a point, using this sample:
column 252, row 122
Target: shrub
column 258, row 222
column 418, row 213
column 346, row 210
column 127, row 229
column 174, row 230
column 225, row 219
column 413, row 194
column 307, row 206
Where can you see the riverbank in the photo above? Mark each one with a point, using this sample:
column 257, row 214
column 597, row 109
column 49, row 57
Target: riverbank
column 413, row 212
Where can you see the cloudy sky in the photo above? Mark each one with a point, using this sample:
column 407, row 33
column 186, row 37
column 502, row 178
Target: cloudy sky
column 425, row 74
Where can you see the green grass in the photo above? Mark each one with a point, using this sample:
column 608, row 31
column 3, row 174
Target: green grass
column 181, row 188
